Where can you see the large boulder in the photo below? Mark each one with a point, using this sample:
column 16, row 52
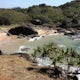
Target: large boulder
column 22, row 30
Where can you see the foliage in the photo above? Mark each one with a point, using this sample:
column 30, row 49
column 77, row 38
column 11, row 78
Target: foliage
column 47, row 14
column 51, row 50
column 57, row 54
column 13, row 16
column 72, row 9
column 4, row 21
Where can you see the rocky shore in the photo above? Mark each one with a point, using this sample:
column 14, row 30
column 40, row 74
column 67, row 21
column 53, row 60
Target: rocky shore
column 5, row 39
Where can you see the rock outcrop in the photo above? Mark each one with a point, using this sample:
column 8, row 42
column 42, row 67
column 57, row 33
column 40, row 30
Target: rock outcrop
column 22, row 30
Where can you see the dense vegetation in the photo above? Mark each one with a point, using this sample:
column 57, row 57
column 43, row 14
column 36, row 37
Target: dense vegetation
column 72, row 10
column 45, row 14
column 13, row 16
column 57, row 55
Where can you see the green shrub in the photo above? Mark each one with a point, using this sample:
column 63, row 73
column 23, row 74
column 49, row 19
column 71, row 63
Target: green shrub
column 13, row 16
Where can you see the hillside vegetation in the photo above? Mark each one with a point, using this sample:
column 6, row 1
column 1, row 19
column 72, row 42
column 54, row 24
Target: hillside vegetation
column 13, row 16
column 72, row 10
column 44, row 13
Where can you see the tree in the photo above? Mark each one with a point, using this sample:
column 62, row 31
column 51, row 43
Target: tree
column 51, row 50
column 71, row 57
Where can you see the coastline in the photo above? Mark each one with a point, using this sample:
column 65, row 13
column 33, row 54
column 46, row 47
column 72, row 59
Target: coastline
column 4, row 39
column 41, row 32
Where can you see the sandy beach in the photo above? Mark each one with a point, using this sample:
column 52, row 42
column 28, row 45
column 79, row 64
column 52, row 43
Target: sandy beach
column 4, row 38
column 45, row 32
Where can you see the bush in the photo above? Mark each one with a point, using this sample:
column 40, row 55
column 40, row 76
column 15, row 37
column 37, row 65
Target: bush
column 13, row 16
column 4, row 21
column 46, row 14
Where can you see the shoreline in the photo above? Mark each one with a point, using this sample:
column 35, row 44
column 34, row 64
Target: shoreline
column 41, row 32
column 7, row 41
column 4, row 39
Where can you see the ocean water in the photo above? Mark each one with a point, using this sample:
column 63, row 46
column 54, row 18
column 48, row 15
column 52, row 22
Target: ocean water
column 61, row 40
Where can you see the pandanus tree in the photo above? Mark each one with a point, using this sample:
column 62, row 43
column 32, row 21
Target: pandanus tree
column 72, row 58
column 51, row 50
column 36, row 53
column 58, row 55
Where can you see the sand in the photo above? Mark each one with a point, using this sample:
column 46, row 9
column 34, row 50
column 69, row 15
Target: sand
column 4, row 38
column 45, row 32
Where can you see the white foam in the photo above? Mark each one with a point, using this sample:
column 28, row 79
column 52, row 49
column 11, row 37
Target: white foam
column 43, row 61
column 31, row 39
column 20, row 48
column 35, row 38
column 60, row 45
column 73, row 69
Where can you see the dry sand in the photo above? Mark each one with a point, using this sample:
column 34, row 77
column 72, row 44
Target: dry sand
column 4, row 38
column 45, row 32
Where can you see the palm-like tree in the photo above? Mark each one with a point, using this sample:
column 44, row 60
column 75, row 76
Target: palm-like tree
column 56, row 54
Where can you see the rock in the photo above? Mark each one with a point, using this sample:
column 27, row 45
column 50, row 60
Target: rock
column 77, row 26
column 36, row 22
column 0, row 52
column 71, row 33
column 22, row 30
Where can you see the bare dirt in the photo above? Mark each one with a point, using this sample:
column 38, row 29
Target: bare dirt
column 13, row 67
